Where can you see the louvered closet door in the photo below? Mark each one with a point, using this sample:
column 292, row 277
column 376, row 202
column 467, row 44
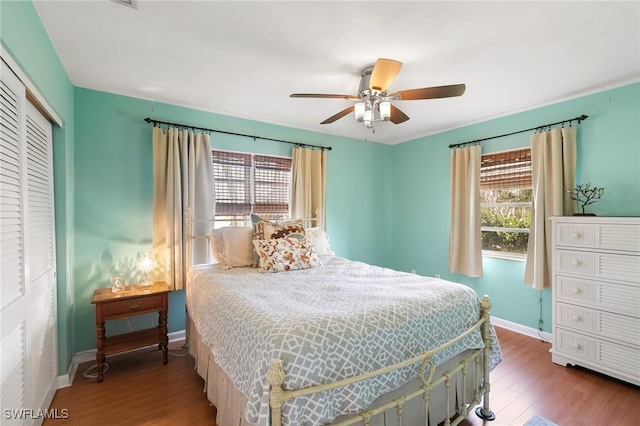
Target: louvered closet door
column 43, row 359
column 28, row 348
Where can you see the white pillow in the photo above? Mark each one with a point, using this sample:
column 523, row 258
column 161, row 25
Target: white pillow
column 232, row 246
column 320, row 240
column 217, row 246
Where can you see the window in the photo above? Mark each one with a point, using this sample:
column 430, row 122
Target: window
column 248, row 183
column 506, row 200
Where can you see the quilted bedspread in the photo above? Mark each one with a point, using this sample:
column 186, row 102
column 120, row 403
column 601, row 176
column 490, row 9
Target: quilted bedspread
column 326, row 323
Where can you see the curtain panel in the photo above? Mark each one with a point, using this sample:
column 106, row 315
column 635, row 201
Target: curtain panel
column 308, row 184
column 182, row 179
column 465, row 237
column 553, row 162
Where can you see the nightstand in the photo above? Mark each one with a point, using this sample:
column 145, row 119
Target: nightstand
column 133, row 300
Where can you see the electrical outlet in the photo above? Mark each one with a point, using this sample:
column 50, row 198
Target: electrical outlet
column 437, row 275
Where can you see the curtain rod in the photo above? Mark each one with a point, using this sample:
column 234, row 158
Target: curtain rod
column 543, row 126
column 204, row 129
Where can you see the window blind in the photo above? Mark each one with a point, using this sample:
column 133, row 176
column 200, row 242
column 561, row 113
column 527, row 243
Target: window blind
column 272, row 176
column 232, row 176
column 506, row 170
column 247, row 183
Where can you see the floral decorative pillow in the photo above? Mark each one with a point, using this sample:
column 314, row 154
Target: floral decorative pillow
column 264, row 229
column 286, row 254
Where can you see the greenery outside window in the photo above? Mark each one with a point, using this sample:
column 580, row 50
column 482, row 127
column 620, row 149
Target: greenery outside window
column 248, row 183
column 506, row 202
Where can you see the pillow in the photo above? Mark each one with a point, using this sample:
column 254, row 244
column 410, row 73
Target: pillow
column 232, row 246
column 217, row 246
column 320, row 240
column 264, row 229
column 286, row 254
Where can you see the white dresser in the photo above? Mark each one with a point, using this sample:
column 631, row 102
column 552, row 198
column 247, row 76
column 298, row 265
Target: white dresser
column 596, row 294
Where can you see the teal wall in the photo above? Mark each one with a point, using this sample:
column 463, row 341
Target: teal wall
column 113, row 192
column 608, row 156
column 26, row 41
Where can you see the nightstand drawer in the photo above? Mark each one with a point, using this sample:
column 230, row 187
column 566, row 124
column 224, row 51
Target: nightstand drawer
column 134, row 306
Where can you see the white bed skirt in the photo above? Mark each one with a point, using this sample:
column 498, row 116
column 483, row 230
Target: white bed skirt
column 230, row 403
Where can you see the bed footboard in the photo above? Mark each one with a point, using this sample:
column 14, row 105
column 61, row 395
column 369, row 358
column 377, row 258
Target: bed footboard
column 478, row 359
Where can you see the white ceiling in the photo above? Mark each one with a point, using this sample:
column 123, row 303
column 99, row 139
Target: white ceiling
column 244, row 58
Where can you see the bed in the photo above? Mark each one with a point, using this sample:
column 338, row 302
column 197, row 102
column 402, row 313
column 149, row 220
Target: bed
column 341, row 342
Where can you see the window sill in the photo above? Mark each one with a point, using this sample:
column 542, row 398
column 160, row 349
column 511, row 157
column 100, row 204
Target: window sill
column 519, row 257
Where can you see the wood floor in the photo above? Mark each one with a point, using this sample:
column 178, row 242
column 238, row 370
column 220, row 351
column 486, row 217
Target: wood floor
column 139, row 390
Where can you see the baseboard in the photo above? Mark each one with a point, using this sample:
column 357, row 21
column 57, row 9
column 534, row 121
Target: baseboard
column 66, row 380
column 177, row 335
column 522, row 329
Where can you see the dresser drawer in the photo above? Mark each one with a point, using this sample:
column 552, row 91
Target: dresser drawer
column 619, row 298
column 597, row 352
column 612, row 326
column 129, row 307
column 599, row 265
column 603, row 236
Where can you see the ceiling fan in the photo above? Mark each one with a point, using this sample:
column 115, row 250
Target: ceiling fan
column 374, row 103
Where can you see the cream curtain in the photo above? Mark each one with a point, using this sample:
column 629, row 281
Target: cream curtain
column 553, row 163
column 465, row 240
column 182, row 178
column 308, row 184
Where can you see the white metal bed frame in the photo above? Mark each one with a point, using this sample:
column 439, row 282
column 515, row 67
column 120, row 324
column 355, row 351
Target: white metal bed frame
column 278, row 396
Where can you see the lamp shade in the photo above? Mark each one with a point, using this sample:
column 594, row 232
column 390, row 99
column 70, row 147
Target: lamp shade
column 359, row 111
column 146, row 265
column 385, row 110
column 368, row 115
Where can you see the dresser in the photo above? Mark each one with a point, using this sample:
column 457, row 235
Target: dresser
column 596, row 294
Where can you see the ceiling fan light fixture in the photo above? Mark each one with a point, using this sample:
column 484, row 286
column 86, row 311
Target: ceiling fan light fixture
column 368, row 118
column 359, row 111
column 385, row 110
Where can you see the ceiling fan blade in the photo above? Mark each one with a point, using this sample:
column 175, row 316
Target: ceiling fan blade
column 326, row 96
column 430, row 92
column 339, row 115
column 398, row 116
column 384, row 71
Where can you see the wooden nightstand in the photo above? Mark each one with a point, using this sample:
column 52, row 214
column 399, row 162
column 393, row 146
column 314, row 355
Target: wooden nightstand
column 133, row 300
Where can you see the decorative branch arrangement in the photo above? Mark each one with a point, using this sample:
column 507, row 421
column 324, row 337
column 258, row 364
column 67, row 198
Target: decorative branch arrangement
column 585, row 195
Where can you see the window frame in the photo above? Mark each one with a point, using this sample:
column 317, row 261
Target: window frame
column 517, row 204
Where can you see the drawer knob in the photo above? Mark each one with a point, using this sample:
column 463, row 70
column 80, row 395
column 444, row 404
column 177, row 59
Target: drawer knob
column 575, row 235
column 576, row 318
column 575, row 290
column 576, row 346
column 575, row 262
column 133, row 306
